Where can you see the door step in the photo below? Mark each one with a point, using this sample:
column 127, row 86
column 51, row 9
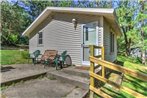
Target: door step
column 76, row 72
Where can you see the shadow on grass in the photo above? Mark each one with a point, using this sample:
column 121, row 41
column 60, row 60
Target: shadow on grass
column 142, row 71
column 7, row 68
column 119, row 63
column 135, row 84
column 113, row 93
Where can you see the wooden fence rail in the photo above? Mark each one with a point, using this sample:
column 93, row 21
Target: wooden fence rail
column 105, row 64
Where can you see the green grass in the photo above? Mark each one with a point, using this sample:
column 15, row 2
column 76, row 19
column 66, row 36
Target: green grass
column 132, row 63
column 13, row 57
column 128, row 81
column 131, row 82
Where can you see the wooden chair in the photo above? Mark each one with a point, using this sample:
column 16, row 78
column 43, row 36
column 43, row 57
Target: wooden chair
column 48, row 57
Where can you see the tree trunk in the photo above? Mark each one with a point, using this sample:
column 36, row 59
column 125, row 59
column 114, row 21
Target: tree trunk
column 143, row 58
column 127, row 43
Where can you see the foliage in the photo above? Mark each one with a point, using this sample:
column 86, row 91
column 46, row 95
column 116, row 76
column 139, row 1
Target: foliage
column 23, row 40
column 140, row 28
column 126, row 12
column 13, row 57
column 13, row 21
column 25, row 55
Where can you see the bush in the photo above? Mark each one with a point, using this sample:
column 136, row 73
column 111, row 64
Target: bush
column 25, row 55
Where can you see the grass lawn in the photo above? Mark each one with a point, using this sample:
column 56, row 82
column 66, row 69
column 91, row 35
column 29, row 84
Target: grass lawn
column 130, row 82
column 133, row 83
column 13, row 57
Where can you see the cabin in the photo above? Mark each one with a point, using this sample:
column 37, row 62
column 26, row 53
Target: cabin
column 74, row 29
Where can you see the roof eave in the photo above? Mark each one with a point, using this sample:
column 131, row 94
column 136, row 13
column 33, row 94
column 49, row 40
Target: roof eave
column 48, row 10
column 36, row 22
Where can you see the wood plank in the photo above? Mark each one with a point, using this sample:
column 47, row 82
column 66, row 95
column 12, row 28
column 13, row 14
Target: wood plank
column 98, row 77
column 99, row 92
column 91, row 69
column 103, row 53
column 132, row 92
column 122, row 88
column 103, row 71
column 92, row 65
column 119, row 68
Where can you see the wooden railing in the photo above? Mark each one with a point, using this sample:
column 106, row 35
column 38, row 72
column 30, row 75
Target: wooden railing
column 105, row 64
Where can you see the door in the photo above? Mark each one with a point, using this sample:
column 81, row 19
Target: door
column 89, row 38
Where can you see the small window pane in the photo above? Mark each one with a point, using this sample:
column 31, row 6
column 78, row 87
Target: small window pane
column 40, row 41
column 40, row 38
column 40, row 35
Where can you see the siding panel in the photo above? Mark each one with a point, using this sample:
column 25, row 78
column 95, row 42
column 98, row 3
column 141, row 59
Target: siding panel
column 109, row 56
column 60, row 34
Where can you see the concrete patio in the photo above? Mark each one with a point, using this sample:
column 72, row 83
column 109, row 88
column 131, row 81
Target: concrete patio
column 66, row 83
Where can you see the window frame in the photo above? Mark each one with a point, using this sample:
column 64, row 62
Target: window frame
column 112, row 42
column 40, row 37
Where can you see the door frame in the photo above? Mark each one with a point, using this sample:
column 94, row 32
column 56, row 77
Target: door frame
column 87, row 63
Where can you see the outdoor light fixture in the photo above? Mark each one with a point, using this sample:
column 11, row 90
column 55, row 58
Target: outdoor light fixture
column 74, row 21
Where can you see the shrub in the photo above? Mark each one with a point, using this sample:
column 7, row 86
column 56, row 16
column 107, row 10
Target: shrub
column 25, row 55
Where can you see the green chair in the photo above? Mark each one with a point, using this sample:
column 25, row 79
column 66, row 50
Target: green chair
column 34, row 56
column 61, row 59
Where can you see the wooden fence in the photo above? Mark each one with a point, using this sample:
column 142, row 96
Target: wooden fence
column 105, row 64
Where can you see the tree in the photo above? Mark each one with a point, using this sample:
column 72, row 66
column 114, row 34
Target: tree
column 126, row 13
column 35, row 7
column 141, row 22
column 14, row 21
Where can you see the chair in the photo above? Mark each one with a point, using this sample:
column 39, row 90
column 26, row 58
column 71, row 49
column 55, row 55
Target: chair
column 60, row 60
column 34, row 56
column 48, row 57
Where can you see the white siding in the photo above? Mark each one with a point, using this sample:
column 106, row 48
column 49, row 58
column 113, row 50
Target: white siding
column 60, row 35
column 108, row 55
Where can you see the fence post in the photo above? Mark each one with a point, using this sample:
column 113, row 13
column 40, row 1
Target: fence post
column 103, row 68
column 91, row 70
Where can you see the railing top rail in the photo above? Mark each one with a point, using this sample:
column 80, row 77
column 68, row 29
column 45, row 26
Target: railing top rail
column 119, row 68
column 119, row 87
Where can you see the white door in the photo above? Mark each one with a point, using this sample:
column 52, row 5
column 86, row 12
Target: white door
column 90, row 37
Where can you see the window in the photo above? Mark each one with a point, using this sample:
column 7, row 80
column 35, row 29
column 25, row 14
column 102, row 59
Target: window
column 40, row 38
column 111, row 42
column 86, row 33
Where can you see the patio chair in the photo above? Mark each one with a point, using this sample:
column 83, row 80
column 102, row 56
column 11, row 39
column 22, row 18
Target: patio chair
column 34, row 56
column 62, row 60
column 48, row 57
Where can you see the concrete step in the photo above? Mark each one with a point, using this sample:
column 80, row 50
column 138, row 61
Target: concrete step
column 77, row 93
column 23, row 78
column 71, row 79
column 77, row 72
